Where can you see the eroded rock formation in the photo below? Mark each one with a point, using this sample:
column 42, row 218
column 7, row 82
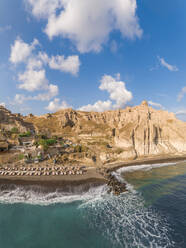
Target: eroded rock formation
column 9, row 121
column 118, row 135
column 131, row 133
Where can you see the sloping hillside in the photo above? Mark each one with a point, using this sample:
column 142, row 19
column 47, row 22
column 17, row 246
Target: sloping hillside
column 117, row 135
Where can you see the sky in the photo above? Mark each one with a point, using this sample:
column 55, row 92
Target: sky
column 92, row 55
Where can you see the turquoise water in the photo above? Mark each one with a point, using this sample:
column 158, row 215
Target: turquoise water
column 151, row 214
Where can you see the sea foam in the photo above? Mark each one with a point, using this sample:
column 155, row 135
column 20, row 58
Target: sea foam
column 37, row 196
column 126, row 222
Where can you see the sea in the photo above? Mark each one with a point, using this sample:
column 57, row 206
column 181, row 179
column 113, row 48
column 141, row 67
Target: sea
column 151, row 214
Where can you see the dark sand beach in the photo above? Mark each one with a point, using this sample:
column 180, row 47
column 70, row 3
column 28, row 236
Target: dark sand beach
column 92, row 176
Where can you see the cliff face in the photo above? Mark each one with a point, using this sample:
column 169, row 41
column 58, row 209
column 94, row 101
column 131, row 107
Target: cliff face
column 9, row 121
column 117, row 135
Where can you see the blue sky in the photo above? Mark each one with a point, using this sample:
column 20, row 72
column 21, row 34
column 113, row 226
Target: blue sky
column 92, row 55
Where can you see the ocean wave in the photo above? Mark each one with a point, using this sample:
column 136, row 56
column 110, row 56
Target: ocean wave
column 35, row 195
column 144, row 167
column 119, row 174
column 126, row 222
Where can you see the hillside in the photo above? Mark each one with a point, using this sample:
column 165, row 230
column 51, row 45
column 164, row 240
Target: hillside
column 9, row 121
column 134, row 132
column 10, row 125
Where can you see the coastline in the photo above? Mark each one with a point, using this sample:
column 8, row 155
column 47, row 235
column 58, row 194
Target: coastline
column 151, row 160
column 91, row 178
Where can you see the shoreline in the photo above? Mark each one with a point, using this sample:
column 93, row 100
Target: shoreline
column 151, row 160
column 92, row 177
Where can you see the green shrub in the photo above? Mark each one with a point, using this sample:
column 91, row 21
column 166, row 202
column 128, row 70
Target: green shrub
column 26, row 134
column 21, row 156
column 14, row 130
column 46, row 143
column 51, row 142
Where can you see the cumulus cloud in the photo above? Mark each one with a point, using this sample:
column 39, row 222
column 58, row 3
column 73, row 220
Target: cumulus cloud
column 116, row 89
column 99, row 106
column 118, row 95
column 166, row 65
column 43, row 57
column 34, row 63
column 56, row 105
column 2, row 104
column 43, row 8
column 20, row 50
column 71, row 64
column 155, row 104
column 33, row 80
column 88, row 23
column 181, row 94
column 19, row 99
column 34, row 77
column 52, row 92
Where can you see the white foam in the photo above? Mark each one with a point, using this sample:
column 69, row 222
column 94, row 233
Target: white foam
column 119, row 174
column 126, row 222
column 144, row 167
column 18, row 194
column 21, row 195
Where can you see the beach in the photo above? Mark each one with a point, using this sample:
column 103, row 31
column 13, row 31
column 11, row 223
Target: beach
column 93, row 177
column 90, row 177
column 149, row 160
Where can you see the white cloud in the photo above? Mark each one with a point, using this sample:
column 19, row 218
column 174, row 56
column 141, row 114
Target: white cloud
column 116, row 89
column 166, row 65
column 99, row 106
column 34, row 63
column 155, row 104
column 52, row 92
column 34, row 77
column 181, row 94
column 118, row 95
column 20, row 51
column 71, row 64
column 43, row 57
column 44, row 8
column 181, row 112
column 19, row 99
column 2, row 104
column 55, row 105
column 88, row 23
column 33, row 80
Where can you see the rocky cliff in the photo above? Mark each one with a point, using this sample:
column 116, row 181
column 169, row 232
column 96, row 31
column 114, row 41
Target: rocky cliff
column 118, row 135
column 10, row 123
